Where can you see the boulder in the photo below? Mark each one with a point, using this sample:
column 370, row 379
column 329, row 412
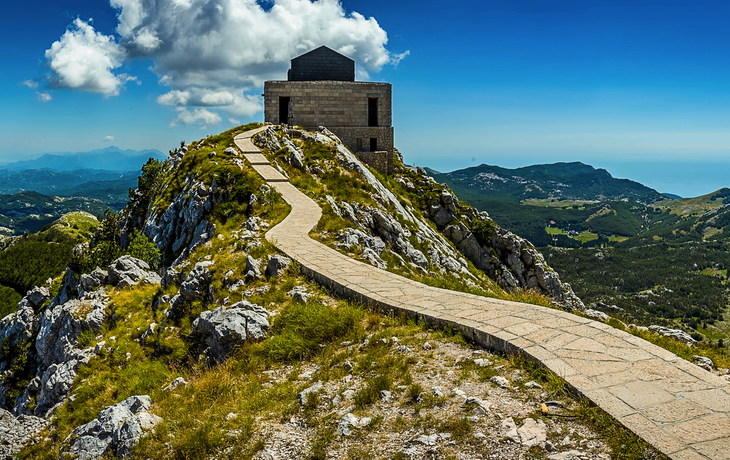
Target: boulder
column 127, row 271
column 225, row 328
column 595, row 314
column 299, row 294
column 350, row 421
column 276, row 265
column 93, row 280
column 704, row 362
column 196, row 283
column 253, row 268
column 175, row 384
column 532, row 432
column 36, row 297
column 16, row 432
column 116, row 430
column 295, row 156
column 673, row 333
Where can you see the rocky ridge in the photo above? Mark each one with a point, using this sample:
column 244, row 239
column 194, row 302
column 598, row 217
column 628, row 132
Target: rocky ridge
column 434, row 240
column 394, row 227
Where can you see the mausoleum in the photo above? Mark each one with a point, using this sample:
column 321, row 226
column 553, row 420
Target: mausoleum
column 321, row 91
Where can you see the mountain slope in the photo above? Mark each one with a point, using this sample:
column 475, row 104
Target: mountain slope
column 126, row 332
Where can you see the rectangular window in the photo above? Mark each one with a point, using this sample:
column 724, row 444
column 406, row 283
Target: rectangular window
column 284, row 109
column 359, row 144
column 373, row 144
column 372, row 111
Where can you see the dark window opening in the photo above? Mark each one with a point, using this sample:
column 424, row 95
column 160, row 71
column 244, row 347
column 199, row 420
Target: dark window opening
column 284, row 109
column 373, row 144
column 372, row 111
column 359, row 144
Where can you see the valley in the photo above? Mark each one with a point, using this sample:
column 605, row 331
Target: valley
column 626, row 250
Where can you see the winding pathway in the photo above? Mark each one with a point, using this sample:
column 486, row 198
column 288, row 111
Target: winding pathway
column 679, row 408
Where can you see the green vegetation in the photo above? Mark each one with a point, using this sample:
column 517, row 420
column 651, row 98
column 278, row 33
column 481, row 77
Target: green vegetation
column 29, row 212
column 664, row 284
column 29, row 260
column 9, row 299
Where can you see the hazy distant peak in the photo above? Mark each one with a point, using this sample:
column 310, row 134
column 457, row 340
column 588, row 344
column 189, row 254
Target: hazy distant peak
column 110, row 158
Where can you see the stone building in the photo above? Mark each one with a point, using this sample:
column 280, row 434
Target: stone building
column 321, row 91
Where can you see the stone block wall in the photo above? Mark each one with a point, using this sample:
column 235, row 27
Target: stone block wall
column 328, row 103
column 342, row 107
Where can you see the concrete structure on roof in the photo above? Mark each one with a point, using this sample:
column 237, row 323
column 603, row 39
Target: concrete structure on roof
column 321, row 91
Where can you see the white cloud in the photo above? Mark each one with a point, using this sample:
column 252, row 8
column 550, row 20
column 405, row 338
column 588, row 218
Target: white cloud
column 215, row 53
column 234, row 121
column 30, row 84
column 108, row 138
column 84, row 59
column 200, row 117
column 44, row 96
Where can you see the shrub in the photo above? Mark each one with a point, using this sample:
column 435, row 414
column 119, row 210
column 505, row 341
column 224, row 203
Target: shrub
column 142, row 248
column 484, row 231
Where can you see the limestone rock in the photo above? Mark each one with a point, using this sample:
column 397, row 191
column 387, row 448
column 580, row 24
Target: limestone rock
column 302, row 396
column 704, row 362
column 253, row 268
column 276, row 265
column 196, row 283
column 16, row 432
column 532, row 432
column 673, row 333
column 116, row 430
column 89, row 282
column 226, row 328
column 175, row 384
column 595, row 314
column 170, row 278
column 299, row 294
column 350, row 421
column 127, row 271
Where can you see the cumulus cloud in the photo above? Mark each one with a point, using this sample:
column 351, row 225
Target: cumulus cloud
column 44, row 96
column 85, row 59
column 200, row 117
column 214, row 54
column 108, row 138
column 30, row 84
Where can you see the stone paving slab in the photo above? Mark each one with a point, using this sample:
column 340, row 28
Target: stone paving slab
column 679, row 408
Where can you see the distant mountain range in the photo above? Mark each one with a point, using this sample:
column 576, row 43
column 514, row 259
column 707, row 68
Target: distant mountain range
column 109, row 159
column 35, row 192
column 574, row 204
column 63, row 182
column 558, row 181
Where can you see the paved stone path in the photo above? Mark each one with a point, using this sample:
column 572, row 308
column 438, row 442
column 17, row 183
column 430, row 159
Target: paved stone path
column 679, row 408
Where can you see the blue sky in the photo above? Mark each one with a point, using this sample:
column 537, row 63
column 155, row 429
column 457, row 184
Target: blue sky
column 640, row 90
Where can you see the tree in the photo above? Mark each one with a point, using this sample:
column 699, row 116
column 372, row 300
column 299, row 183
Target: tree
column 142, row 248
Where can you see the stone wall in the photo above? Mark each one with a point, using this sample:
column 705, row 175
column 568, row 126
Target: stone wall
column 328, row 103
column 381, row 161
column 322, row 64
column 343, row 108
